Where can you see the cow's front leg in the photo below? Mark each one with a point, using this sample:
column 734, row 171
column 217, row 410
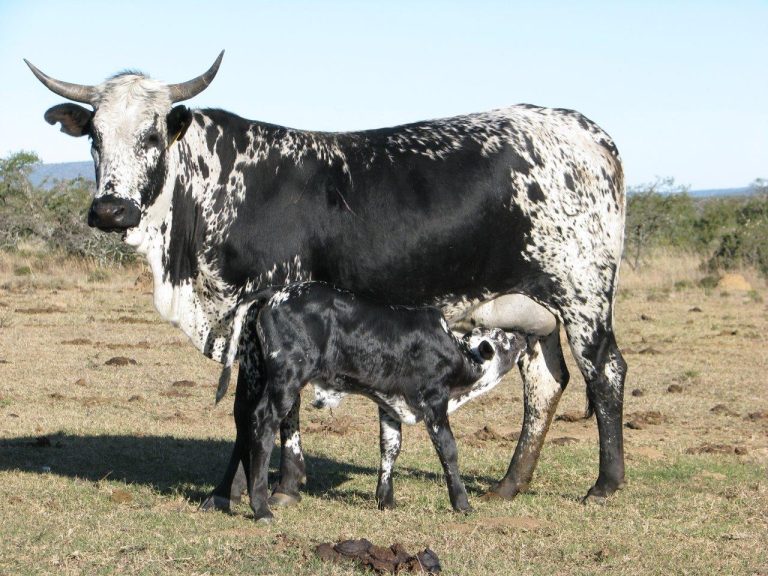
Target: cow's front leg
column 390, row 436
column 234, row 481
column 292, row 469
column 545, row 376
column 442, row 439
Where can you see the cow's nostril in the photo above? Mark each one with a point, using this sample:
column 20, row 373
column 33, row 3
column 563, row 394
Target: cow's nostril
column 113, row 213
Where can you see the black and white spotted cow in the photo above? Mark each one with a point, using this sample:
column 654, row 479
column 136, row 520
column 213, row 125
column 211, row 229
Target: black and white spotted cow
column 406, row 360
column 513, row 218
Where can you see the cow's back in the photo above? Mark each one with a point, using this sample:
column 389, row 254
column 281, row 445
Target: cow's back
column 472, row 205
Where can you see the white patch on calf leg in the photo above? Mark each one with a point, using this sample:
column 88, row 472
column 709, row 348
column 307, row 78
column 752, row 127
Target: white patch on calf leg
column 294, row 444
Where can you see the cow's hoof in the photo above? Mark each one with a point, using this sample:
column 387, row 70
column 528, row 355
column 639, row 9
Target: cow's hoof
column 386, row 505
column 504, row 490
column 594, row 500
column 214, row 502
column 266, row 519
column 279, row 499
column 599, row 494
column 466, row 511
column 495, row 494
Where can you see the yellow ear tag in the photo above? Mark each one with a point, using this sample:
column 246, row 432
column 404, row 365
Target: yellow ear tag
column 175, row 139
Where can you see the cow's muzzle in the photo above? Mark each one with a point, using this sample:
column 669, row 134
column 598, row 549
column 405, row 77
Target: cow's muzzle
column 112, row 214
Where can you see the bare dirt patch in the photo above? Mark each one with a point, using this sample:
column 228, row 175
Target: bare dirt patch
column 134, row 320
column 120, row 361
column 572, row 416
column 77, row 342
column 42, row 310
column 641, row 420
column 337, row 425
column 709, row 448
column 723, row 410
column 173, row 393
column 184, row 384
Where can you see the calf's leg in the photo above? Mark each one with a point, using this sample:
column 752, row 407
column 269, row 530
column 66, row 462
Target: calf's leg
column 390, row 436
column 292, row 469
column 234, row 481
column 263, row 428
column 442, row 439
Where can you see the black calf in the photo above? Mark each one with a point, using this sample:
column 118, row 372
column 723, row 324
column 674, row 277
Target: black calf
column 406, row 360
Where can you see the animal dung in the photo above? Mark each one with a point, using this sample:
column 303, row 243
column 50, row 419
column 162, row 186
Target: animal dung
column 382, row 560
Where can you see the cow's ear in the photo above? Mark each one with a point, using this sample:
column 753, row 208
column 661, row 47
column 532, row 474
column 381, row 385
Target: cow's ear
column 75, row 120
column 178, row 119
column 485, row 349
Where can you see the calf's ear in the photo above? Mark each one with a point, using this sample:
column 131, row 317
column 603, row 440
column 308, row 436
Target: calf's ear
column 486, row 350
column 75, row 120
column 178, row 120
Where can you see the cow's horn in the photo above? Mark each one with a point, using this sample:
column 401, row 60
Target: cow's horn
column 190, row 88
column 76, row 92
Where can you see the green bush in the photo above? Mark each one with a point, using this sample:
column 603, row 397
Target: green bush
column 745, row 243
column 57, row 217
column 726, row 232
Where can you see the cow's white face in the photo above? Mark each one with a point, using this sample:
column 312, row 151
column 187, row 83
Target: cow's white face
column 130, row 135
column 131, row 127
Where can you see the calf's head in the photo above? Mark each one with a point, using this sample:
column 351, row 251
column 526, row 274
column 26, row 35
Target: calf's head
column 496, row 349
column 131, row 127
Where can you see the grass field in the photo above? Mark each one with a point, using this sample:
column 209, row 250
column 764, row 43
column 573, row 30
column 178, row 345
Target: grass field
column 102, row 466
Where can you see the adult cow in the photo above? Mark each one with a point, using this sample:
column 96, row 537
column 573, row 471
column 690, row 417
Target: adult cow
column 515, row 216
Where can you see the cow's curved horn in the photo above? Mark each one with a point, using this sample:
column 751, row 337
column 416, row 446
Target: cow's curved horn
column 190, row 88
column 76, row 92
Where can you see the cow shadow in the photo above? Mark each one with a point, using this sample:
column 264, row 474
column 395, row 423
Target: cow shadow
column 189, row 467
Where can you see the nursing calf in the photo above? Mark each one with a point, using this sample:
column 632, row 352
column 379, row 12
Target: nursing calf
column 404, row 359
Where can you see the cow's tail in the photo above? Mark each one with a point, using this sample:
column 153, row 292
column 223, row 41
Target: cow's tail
column 234, row 341
column 232, row 347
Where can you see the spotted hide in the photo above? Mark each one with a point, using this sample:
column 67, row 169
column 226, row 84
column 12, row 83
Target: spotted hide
column 522, row 201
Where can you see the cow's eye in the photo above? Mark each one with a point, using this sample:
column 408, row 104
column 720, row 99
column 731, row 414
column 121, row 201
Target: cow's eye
column 151, row 140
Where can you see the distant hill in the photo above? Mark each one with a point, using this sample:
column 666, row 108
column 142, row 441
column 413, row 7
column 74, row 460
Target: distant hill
column 61, row 171
column 71, row 170
column 744, row 191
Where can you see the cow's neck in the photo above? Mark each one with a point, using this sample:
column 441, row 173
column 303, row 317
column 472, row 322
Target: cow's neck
column 176, row 233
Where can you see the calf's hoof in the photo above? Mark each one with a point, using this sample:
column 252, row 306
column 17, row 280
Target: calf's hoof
column 280, row 499
column 214, row 502
column 265, row 519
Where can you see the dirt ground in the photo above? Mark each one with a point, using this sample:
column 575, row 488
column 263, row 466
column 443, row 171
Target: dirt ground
column 109, row 439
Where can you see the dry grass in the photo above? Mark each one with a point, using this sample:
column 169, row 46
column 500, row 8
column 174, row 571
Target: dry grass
column 131, row 455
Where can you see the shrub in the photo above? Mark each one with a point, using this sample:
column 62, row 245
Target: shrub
column 55, row 217
column 746, row 242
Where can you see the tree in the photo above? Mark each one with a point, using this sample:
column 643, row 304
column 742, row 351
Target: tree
column 660, row 212
column 14, row 174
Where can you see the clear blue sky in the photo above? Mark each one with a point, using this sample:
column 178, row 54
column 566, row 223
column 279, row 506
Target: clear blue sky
column 682, row 86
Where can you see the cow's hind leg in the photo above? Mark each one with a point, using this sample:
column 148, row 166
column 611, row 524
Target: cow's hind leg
column 545, row 376
column 604, row 370
column 292, row 468
column 390, row 437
